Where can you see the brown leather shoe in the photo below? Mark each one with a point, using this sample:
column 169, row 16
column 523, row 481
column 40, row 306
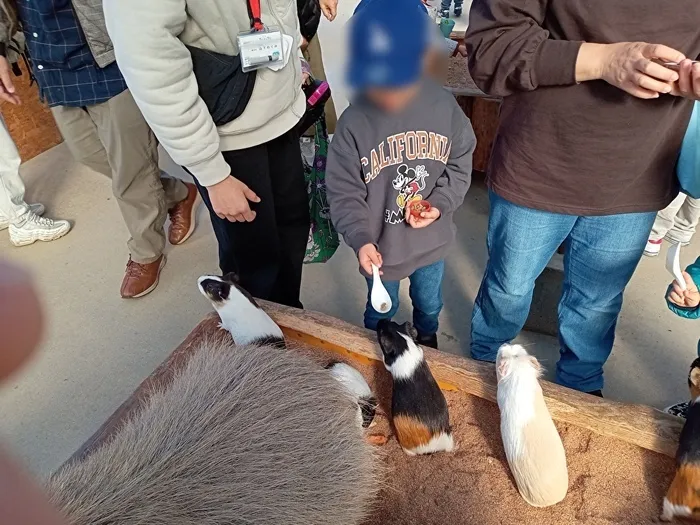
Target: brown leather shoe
column 141, row 279
column 183, row 216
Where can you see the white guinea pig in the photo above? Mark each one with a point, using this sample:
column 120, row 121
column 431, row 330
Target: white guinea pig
column 533, row 447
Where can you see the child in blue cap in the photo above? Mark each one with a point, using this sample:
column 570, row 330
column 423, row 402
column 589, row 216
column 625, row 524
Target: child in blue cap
column 685, row 303
column 403, row 144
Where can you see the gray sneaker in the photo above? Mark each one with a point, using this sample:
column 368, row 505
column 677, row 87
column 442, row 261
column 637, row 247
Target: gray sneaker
column 35, row 228
column 36, row 208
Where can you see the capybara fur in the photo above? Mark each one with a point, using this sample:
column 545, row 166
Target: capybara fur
column 242, row 435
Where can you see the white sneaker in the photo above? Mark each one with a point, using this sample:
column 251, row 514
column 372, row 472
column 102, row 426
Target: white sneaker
column 36, row 228
column 653, row 248
column 36, row 208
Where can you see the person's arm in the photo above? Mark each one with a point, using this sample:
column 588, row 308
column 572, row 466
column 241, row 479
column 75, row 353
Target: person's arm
column 158, row 70
column 347, row 191
column 509, row 51
column 686, row 303
column 309, row 13
column 451, row 187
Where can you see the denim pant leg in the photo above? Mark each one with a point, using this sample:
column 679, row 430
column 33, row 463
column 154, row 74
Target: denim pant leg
column 521, row 241
column 426, row 296
column 602, row 254
column 445, row 5
column 372, row 317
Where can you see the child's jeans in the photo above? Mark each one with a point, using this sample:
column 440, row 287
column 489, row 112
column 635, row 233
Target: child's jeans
column 426, row 296
column 445, row 4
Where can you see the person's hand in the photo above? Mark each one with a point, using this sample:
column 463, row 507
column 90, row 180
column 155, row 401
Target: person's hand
column 305, row 72
column 630, row 66
column 304, row 44
column 367, row 255
column 688, row 85
column 426, row 218
column 7, row 87
column 329, row 9
column 689, row 298
column 461, row 49
column 230, row 197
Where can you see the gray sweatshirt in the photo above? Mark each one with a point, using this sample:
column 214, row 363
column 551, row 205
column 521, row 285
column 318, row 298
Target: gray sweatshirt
column 378, row 162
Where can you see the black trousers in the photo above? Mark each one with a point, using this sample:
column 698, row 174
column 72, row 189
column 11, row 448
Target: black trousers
column 268, row 253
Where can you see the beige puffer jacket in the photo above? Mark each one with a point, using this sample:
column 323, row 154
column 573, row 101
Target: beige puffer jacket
column 150, row 39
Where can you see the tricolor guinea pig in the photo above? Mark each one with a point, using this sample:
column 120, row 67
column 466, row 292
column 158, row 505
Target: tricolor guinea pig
column 355, row 383
column 532, row 444
column 240, row 314
column 683, row 497
column 419, row 409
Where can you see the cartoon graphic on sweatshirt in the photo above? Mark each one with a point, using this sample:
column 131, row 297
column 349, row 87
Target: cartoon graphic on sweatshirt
column 409, row 183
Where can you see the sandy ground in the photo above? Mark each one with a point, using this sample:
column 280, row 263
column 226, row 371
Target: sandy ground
column 610, row 481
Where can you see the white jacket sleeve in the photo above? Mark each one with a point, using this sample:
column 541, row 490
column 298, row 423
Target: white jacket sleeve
column 158, row 70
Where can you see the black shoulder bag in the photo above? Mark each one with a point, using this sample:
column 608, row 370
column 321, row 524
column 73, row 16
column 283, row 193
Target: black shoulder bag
column 223, row 86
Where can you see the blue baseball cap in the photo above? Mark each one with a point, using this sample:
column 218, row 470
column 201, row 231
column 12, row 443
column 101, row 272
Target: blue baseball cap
column 387, row 43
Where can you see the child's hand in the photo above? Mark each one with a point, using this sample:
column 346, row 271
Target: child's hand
column 367, row 255
column 690, row 298
column 426, row 218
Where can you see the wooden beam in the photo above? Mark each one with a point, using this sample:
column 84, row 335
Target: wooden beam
column 641, row 425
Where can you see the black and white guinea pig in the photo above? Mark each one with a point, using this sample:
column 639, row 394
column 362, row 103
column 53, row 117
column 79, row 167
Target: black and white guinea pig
column 683, row 497
column 418, row 406
column 353, row 380
column 240, row 314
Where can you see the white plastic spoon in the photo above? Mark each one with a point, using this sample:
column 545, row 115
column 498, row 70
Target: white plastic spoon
column 673, row 264
column 380, row 299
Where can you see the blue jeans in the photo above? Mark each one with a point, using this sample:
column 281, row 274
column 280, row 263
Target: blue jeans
column 426, row 296
column 601, row 255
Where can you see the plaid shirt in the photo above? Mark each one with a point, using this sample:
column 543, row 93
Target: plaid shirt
column 61, row 58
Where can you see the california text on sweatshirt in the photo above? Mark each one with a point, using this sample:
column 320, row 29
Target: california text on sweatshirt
column 579, row 149
column 378, row 162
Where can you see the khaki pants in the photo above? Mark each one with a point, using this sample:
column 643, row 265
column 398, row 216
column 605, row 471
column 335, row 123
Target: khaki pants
column 678, row 221
column 315, row 59
column 113, row 138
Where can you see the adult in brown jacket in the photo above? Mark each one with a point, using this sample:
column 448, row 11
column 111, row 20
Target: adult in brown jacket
column 590, row 130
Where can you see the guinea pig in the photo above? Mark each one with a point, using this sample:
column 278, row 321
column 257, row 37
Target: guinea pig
column 683, row 497
column 240, row 314
column 353, row 380
column 419, row 409
column 532, row 444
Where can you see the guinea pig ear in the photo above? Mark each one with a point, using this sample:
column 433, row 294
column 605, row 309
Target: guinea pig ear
column 410, row 331
column 502, row 368
column 535, row 364
column 231, row 278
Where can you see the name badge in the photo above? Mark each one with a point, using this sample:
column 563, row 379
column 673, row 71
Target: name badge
column 259, row 49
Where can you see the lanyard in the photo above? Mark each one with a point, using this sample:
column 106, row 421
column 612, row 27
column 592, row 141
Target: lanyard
column 254, row 13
